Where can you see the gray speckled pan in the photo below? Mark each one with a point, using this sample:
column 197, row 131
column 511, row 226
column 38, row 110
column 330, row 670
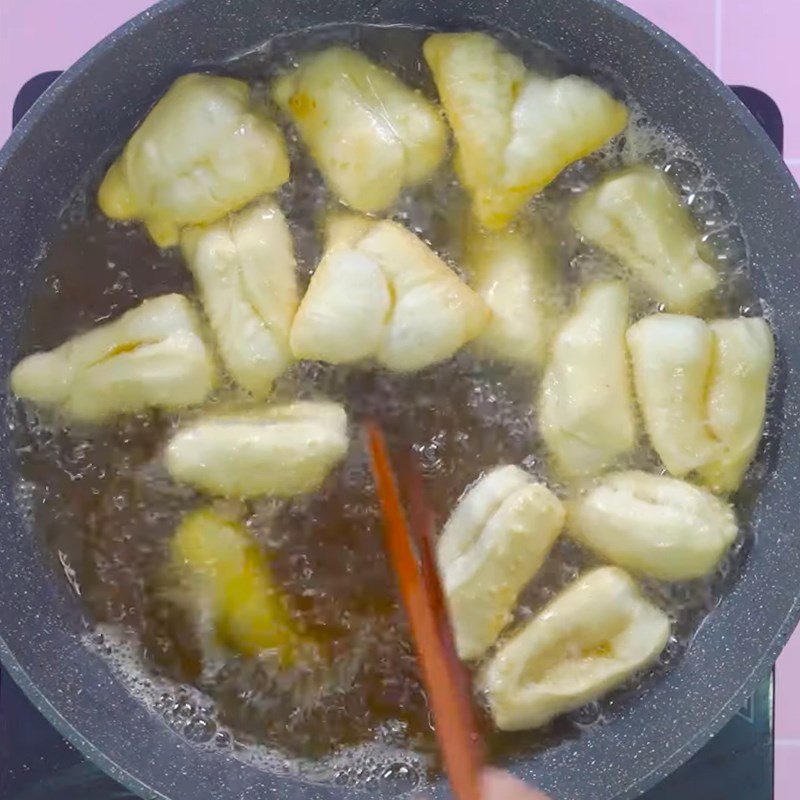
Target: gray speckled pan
column 94, row 106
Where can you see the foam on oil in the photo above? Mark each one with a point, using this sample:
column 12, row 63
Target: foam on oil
column 104, row 508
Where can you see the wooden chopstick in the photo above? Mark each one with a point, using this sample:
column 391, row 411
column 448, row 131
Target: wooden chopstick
column 442, row 672
column 422, row 527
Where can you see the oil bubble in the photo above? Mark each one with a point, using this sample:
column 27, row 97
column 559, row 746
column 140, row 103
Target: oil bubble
column 399, row 778
column 183, row 708
column 200, row 729
column 586, row 716
column 341, row 778
column 684, row 174
column 712, row 209
column 222, row 739
column 726, row 246
column 656, row 158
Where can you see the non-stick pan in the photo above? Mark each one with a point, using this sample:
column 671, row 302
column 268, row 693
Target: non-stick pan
column 94, row 106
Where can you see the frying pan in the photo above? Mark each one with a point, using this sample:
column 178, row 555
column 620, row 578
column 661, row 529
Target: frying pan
column 94, row 106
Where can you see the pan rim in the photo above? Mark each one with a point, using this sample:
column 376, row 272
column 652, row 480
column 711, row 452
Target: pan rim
column 767, row 151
